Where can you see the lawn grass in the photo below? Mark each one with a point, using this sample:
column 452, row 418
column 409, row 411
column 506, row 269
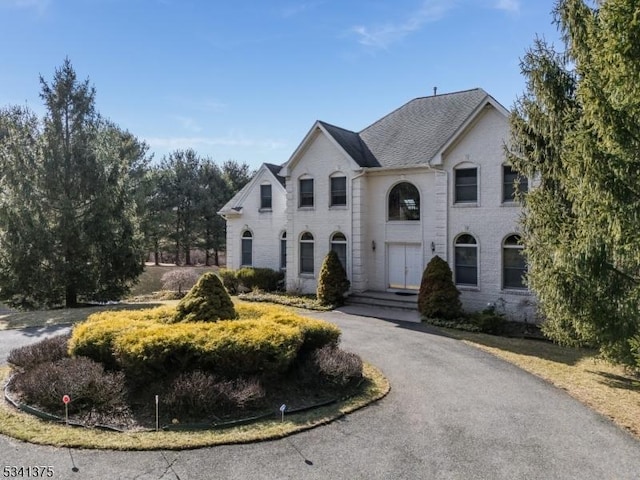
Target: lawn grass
column 606, row 388
column 28, row 428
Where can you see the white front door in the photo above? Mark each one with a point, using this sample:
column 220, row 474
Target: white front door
column 404, row 264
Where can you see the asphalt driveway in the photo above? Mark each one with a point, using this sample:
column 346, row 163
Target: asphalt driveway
column 454, row 412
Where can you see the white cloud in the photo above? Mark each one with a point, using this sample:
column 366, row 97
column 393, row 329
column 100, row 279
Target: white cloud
column 508, row 5
column 172, row 143
column 382, row 36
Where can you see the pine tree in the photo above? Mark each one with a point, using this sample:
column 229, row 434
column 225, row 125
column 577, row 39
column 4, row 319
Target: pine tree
column 79, row 177
column 577, row 129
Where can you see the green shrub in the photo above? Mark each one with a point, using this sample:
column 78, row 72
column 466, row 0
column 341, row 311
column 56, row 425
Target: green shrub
column 264, row 279
column 207, row 301
column 333, row 282
column 489, row 321
column 438, row 297
column 46, row 351
column 229, row 280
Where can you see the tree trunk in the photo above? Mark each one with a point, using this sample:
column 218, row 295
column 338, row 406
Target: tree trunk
column 207, row 257
column 71, row 296
column 216, row 259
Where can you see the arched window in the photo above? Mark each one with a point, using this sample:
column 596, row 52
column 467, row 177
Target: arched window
column 339, row 245
column 404, row 202
column 247, row 248
column 514, row 266
column 283, row 251
column 306, row 253
column 466, row 260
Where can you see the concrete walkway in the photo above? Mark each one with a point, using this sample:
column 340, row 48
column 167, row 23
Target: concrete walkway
column 454, row 412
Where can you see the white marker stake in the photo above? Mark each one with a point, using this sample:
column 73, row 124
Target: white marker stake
column 157, row 416
column 66, row 399
column 283, row 407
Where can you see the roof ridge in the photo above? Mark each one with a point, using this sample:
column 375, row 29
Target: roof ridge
column 336, row 126
column 420, row 98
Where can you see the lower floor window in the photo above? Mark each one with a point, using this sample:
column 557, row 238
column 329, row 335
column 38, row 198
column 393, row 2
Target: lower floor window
column 247, row 248
column 466, row 260
column 306, row 253
column 514, row 266
column 339, row 245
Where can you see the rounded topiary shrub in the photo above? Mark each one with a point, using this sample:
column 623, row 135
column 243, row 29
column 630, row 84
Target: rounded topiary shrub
column 207, row 301
column 333, row 282
column 438, row 297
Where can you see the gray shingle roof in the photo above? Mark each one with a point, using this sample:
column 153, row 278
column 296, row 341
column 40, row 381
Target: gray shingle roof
column 412, row 134
column 275, row 169
column 352, row 144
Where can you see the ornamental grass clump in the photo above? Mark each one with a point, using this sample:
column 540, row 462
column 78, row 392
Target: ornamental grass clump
column 207, row 301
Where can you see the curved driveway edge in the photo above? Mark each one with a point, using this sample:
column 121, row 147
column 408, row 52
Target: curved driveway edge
column 454, row 412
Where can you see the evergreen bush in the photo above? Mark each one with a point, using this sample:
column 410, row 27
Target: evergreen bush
column 438, row 297
column 264, row 279
column 229, row 280
column 333, row 282
column 207, row 301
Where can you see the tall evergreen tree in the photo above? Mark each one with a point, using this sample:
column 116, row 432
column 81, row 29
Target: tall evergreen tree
column 77, row 177
column 578, row 130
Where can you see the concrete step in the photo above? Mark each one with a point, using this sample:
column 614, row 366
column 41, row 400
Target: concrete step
column 384, row 299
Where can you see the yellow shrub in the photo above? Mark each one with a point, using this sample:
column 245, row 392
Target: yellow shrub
column 266, row 339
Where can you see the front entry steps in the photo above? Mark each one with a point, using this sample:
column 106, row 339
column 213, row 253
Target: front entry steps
column 386, row 305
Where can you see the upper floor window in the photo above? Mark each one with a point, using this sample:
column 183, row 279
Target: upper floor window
column 339, row 245
column 466, row 185
column 306, row 253
column 466, row 260
column 265, row 197
column 510, row 181
column 306, row 192
column 338, row 191
column 247, row 248
column 404, row 202
column 514, row 266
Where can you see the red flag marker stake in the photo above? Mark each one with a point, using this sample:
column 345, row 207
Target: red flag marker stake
column 66, row 399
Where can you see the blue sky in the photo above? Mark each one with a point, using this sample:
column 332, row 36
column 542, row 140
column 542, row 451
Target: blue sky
column 246, row 79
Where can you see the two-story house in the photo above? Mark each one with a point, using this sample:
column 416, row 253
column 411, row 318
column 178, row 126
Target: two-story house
column 428, row 179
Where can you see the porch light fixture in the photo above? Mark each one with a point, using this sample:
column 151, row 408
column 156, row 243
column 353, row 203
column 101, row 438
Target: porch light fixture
column 373, row 245
column 433, row 247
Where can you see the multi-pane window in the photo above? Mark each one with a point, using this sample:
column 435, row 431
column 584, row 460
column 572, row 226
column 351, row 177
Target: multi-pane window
column 306, row 253
column 339, row 245
column 247, row 248
column 466, row 260
column 511, row 179
column 514, row 266
column 306, row 192
column 338, row 191
column 466, row 185
column 265, row 197
column 404, row 202
column 283, row 250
